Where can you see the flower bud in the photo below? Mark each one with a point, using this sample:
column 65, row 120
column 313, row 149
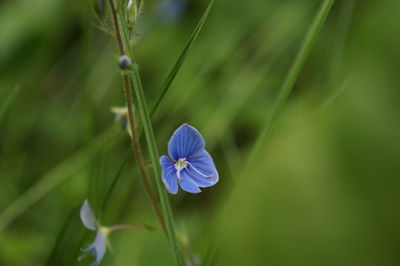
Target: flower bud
column 124, row 62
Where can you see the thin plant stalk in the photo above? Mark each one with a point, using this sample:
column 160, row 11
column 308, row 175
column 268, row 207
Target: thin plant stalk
column 8, row 101
column 166, row 208
column 177, row 66
column 154, row 158
column 133, row 124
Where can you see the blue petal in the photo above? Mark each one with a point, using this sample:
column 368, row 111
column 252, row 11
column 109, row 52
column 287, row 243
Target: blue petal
column 99, row 247
column 202, row 169
column 187, row 184
column 169, row 174
column 185, row 141
column 87, row 216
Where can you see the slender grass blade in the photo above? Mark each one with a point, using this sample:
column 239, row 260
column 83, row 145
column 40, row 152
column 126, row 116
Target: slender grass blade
column 178, row 64
column 266, row 132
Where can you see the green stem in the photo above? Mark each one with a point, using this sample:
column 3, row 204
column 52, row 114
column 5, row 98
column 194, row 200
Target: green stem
column 125, row 226
column 174, row 71
column 153, row 151
column 154, row 157
column 133, row 124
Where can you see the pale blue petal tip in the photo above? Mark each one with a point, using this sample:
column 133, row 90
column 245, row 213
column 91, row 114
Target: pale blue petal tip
column 87, row 216
column 97, row 249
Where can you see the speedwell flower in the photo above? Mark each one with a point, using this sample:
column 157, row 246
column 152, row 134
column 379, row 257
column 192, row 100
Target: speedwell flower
column 98, row 247
column 121, row 113
column 188, row 164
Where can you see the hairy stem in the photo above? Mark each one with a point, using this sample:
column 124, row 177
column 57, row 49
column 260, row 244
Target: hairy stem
column 133, row 124
column 125, row 226
column 135, row 81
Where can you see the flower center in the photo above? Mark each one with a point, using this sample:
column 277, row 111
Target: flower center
column 181, row 164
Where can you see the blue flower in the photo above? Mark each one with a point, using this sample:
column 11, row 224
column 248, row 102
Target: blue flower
column 188, row 164
column 98, row 247
column 121, row 113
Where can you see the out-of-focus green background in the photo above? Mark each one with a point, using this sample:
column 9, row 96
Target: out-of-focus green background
column 326, row 191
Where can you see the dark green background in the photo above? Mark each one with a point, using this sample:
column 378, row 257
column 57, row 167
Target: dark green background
column 326, row 191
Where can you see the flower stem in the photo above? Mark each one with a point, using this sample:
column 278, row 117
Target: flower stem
column 133, row 124
column 132, row 226
column 125, row 226
column 154, row 156
column 153, row 152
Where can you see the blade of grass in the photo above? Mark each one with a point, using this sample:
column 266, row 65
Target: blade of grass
column 292, row 75
column 8, row 101
column 266, row 132
column 154, row 158
column 56, row 176
column 340, row 37
column 62, row 233
column 114, row 182
column 175, row 69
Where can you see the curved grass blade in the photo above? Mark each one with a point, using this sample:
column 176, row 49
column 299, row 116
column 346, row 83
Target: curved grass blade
column 178, row 64
column 292, row 75
column 8, row 101
column 61, row 235
column 341, row 36
column 154, row 158
column 56, row 176
column 114, row 182
column 266, row 132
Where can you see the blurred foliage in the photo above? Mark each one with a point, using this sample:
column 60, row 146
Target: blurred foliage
column 326, row 192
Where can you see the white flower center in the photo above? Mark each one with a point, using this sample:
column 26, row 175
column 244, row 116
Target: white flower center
column 181, row 164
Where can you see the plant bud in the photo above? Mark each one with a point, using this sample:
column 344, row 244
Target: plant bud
column 124, row 62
